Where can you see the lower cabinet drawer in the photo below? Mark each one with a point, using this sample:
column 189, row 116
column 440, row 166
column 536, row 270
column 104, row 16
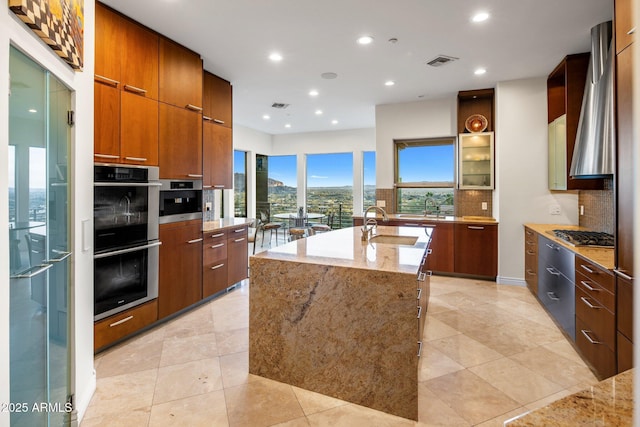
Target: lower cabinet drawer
column 601, row 358
column 111, row 329
column 597, row 319
column 625, row 353
column 214, row 278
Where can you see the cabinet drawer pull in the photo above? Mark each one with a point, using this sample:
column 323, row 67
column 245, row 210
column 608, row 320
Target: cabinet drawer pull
column 239, row 240
column 587, row 269
column 419, row 311
column 531, row 253
column 134, row 89
column 623, row 275
column 136, row 159
column 206, row 186
column 107, row 80
column 106, row 156
column 555, row 248
column 207, row 118
column 588, row 337
column 422, row 276
column 410, row 224
column 193, row 107
column 552, row 296
column 120, row 322
column 588, row 304
column 419, row 293
column 419, row 348
column 586, row 285
column 217, row 235
column 195, row 240
column 218, row 186
column 631, row 31
column 215, row 267
column 528, row 233
column 219, row 245
column 239, row 230
column 531, row 273
column 221, row 122
column 429, row 251
column 474, row 227
column 194, row 175
column 551, row 270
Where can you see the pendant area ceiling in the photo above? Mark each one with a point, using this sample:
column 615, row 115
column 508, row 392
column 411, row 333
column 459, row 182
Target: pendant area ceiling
column 520, row 39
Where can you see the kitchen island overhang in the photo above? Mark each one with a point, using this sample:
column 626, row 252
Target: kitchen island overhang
column 341, row 316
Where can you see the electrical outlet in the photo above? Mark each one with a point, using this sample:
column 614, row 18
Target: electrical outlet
column 484, row 206
column 581, row 209
column 381, row 203
column 208, row 206
column 554, row 210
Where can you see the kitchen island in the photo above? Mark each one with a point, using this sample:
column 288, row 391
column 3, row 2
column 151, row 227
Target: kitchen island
column 341, row 316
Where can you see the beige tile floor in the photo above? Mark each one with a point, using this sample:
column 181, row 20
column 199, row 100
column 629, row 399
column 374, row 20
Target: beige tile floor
column 491, row 353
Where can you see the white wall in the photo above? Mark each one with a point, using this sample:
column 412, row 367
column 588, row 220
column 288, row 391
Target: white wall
column 423, row 119
column 13, row 31
column 521, row 172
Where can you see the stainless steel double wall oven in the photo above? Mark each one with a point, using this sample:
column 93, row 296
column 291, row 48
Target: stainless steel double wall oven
column 126, row 218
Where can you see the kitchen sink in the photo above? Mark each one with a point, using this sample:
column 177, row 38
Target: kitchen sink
column 393, row 239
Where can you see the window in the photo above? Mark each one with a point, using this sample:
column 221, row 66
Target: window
column 425, row 175
column 282, row 184
column 239, row 184
column 369, row 178
column 330, row 186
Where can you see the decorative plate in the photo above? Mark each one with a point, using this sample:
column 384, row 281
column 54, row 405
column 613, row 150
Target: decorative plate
column 476, row 123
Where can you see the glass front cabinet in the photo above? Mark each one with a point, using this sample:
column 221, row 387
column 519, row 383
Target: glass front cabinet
column 475, row 161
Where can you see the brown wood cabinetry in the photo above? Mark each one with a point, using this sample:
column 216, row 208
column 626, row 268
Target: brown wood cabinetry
column 624, row 323
column 180, row 278
column 138, row 56
column 441, row 258
column 108, row 43
column 476, row 249
column 180, row 143
column 106, row 126
column 471, row 102
column 565, row 89
column 138, row 129
column 238, row 255
column 217, row 154
column 217, row 100
column 531, row 260
column 596, row 316
column 180, row 76
column 624, row 28
column 214, row 265
column 109, row 330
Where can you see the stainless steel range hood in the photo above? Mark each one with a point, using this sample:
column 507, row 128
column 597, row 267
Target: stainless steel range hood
column 593, row 154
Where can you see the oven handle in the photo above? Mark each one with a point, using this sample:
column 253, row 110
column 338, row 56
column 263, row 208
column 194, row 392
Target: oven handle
column 125, row 251
column 127, row 184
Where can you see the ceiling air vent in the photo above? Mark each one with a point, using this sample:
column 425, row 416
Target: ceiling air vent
column 441, row 60
column 279, row 105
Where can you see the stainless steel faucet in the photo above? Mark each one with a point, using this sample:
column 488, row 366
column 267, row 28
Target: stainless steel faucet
column 366, row 231
column 430, row 205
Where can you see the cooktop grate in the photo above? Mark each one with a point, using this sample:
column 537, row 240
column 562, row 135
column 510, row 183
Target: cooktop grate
column 585, row 238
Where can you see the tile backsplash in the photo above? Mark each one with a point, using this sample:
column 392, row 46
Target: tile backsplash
column 599, row 214
column 467, row 202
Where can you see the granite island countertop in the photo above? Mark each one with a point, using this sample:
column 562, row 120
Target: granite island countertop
column 218, row 224
column 607, row 403
column 429, row 218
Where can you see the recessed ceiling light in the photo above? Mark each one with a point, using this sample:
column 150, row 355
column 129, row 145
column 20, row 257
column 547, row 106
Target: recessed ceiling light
column 334, row 122
column 275, row 57
column 318, row 112
column 389, row 83
column 479, row 71
column 287, row 125
column 313, row 92
column 479, row 17
column 33, row 110
column 266, row 117
column 365, row 40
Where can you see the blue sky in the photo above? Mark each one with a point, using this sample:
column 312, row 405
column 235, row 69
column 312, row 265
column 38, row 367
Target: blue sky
column 427, row 163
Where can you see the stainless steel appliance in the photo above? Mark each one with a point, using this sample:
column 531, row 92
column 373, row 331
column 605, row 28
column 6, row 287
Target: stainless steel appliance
column 585, row 238
column 126, row 200
column 180, row 200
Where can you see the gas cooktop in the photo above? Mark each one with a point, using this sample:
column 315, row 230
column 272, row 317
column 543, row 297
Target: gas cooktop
column 585, row 238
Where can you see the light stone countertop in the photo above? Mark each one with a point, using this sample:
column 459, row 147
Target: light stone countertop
column 604, row 257
column 345, row 248
column 218, row 224
column 608, row 403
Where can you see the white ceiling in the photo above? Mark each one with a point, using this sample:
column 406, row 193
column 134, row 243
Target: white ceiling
column 522, row 38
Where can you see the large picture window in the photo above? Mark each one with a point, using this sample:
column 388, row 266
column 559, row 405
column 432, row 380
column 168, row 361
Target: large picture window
column 282, row 184
column 425, row 175
column 240, row 184
column 330, row 186
column 369, row 178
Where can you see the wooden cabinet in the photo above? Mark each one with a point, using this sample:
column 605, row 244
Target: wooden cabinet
column 217, row 100
column 623, row 21
column 180, row 278
column 180, row 76
column 596, row 316
column 108, row 331
column 565, row 89
column 138, row 56
column 480, row 101
column 180, row 143
column 217, row 154
column 624, row 323
column 531, row 260
column 476, row 249
column 214, row 265
column 138, row 130
column 475, row 166
column 441, row 258
column 108, row 43
column 106, row 126
column 238, row 255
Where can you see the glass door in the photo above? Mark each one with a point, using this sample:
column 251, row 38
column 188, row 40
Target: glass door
column 39, row 138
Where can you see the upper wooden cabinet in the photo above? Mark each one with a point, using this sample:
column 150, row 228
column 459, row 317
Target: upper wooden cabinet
column 624, row 24
column 180, row 143
column 180, row 76
column 480, row 101
column 106, row 126
column 138, row 130
column 108, row 43
column 565, row 89
column 217, row 154
column 217, row 100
